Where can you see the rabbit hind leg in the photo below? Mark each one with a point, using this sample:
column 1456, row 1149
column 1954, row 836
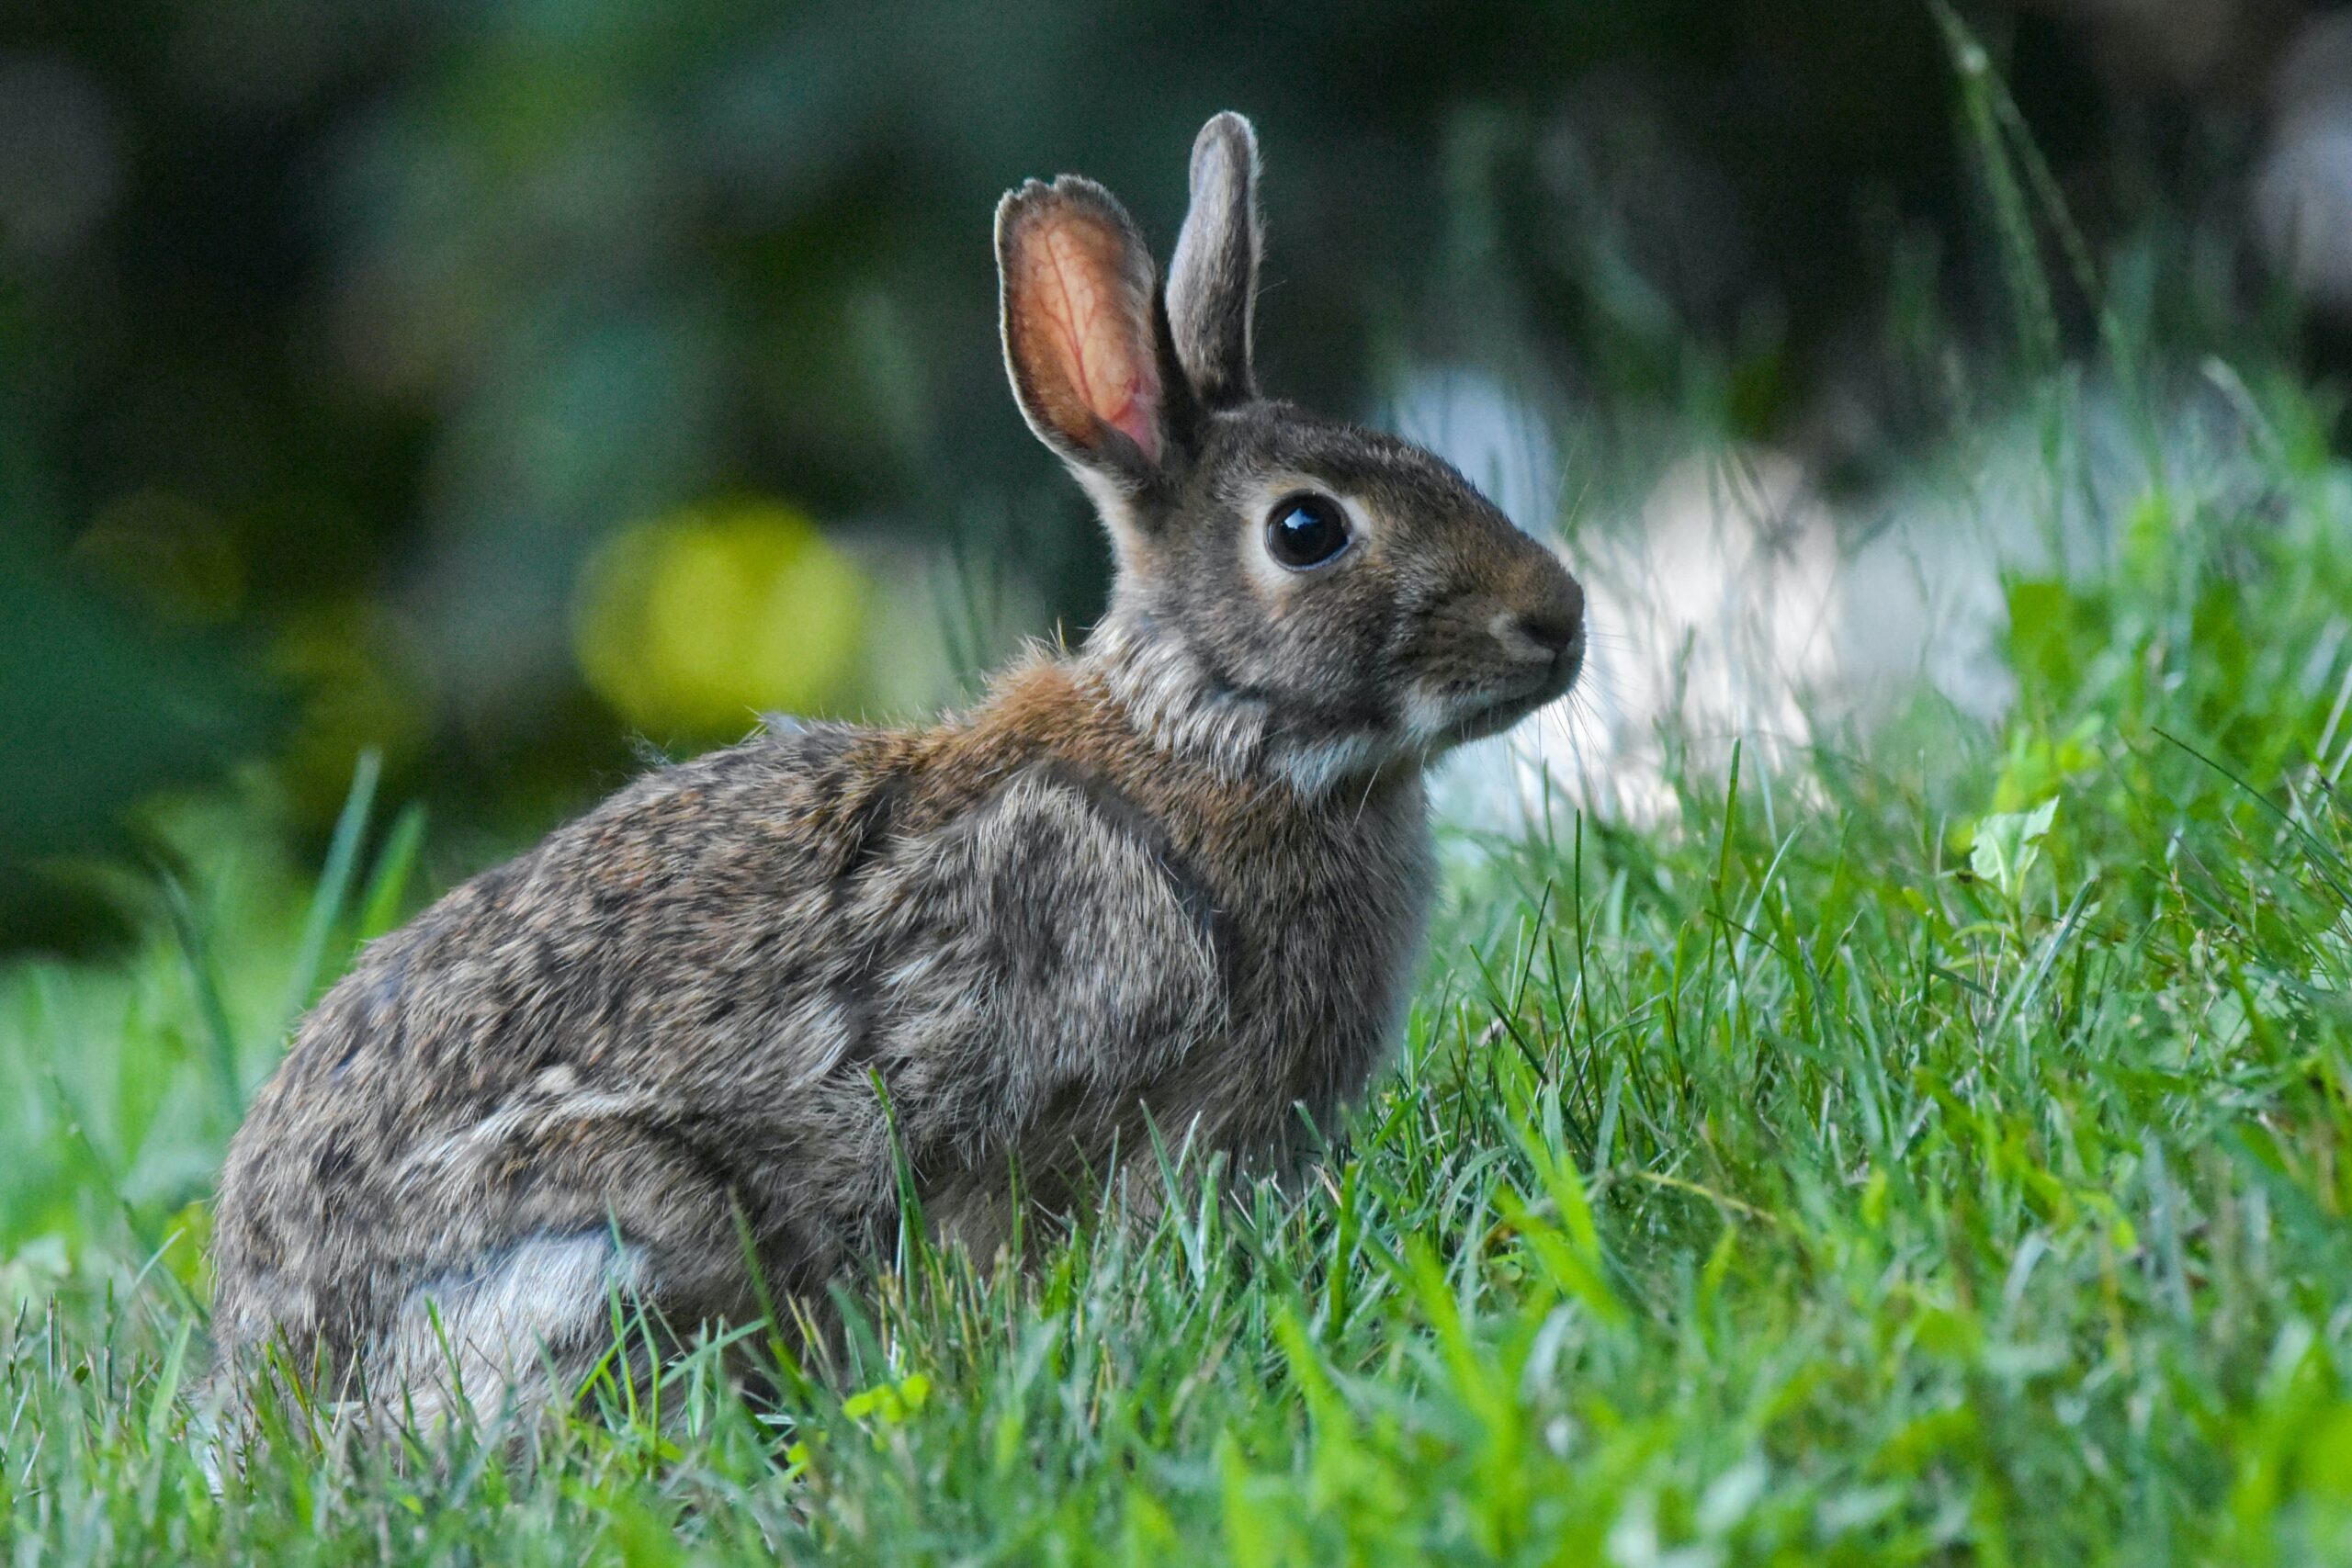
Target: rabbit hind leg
column 516, row 1335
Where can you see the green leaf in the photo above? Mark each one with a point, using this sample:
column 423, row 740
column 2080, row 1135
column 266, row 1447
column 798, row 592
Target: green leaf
column 2008, row 843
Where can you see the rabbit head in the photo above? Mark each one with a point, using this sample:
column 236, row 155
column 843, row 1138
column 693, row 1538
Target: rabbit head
column 1294, row 594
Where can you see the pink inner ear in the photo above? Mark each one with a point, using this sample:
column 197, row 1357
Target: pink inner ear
column 1096, row 326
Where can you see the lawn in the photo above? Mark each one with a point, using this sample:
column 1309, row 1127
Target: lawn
column 1932, row 1148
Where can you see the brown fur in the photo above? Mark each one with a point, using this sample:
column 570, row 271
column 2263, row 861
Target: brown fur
column 1175, row 880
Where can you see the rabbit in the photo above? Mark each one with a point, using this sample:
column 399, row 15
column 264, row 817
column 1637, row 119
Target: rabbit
column 1172, row 884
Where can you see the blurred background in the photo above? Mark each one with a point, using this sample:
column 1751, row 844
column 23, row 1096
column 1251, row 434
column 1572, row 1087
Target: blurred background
column 512, row 390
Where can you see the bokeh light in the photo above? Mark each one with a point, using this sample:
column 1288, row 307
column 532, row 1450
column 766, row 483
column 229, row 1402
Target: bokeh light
column 696, row 623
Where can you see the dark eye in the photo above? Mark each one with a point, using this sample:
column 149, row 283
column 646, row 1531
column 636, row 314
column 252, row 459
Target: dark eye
column 1306, row 530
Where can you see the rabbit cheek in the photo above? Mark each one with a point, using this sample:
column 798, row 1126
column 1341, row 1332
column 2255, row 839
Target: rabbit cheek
column 1336, row 714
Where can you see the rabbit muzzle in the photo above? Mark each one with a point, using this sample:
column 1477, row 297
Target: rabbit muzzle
column 1497, row 657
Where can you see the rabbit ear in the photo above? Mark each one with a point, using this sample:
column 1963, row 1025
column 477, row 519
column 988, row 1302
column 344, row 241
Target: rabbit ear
column 1212, row 282
column 1081, row 338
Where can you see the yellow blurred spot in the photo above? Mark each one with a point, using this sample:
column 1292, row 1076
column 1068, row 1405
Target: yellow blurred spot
column 700, row 620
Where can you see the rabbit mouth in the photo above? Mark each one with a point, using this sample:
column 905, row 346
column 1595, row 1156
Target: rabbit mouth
column 1495, row 718
column 1499, row 713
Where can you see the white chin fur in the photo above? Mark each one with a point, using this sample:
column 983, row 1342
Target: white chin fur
column 1314, row 768
column 1430, row 716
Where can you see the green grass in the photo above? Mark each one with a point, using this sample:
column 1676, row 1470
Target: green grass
column 1937, row 1152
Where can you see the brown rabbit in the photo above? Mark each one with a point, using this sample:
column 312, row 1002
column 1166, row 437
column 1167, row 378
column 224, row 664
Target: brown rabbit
column 1173, row 881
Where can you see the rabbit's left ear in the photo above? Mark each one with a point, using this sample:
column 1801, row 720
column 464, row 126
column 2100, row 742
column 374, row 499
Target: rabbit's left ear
column 1212, row 282
column 1081, row 335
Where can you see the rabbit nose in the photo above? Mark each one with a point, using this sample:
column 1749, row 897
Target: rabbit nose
column 1556, row 625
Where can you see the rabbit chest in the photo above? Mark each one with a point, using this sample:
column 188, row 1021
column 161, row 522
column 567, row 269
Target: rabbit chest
column 1326, row 905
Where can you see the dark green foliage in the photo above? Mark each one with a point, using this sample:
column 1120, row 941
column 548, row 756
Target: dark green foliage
column 391, row 313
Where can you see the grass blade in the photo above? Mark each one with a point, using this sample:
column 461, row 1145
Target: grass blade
column 379, row 905
column 196, row 955
column 334, row 884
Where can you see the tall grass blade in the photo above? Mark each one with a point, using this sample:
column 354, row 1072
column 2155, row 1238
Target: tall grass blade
column 211, row 1011
column 379, row 905
column 334, row 884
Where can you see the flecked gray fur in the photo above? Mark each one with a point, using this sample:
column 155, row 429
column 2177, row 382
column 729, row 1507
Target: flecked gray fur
column 1175, row 880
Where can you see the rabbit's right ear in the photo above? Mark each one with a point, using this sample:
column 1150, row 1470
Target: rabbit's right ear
column 1212, row 281
column 1082, row 340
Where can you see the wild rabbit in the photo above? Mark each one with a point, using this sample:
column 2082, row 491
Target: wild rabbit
column 1173, row 881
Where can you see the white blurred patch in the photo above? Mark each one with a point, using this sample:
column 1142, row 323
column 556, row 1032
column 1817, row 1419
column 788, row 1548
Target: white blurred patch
column 1500, row 443
column 2303, row 195
column 1720, row 609
column 1737, row 604
column 1712, row 613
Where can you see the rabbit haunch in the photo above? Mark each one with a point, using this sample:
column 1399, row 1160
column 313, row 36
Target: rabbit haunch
column 1172, row 884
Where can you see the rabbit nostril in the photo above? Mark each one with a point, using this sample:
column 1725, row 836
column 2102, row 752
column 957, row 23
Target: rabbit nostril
column 1556, row 631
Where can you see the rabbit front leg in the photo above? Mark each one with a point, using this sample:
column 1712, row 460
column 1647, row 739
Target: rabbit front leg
column 1074, row 962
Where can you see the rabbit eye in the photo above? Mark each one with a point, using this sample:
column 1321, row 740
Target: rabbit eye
column 1305, row 531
